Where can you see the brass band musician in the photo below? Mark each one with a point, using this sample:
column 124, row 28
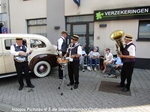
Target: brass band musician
column 74, row 51
column 21, row 53
column 128, row 58
column 61, row 47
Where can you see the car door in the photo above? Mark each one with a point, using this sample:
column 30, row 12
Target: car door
column 2, row 65
column 7, row 56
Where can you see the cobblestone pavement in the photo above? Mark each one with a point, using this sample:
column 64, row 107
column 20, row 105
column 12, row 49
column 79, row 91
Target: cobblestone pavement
column 46, row 95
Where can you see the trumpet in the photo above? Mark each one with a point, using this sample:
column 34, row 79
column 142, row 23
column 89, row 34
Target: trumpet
column 117, row 36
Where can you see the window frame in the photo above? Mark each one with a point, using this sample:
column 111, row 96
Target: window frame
column 140, row 38
column 36, row 24
column 37, row 45
column 10, row 42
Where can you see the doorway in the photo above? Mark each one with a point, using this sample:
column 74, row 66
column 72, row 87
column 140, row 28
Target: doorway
column 86, row 34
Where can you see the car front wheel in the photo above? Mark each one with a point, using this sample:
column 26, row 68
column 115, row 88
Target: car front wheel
column 42, row 69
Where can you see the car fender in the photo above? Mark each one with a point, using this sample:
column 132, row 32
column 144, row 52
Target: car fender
column 50, row 58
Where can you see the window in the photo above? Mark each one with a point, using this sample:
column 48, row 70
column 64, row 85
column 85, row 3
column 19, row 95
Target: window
column 37, row 43
column 80, row 19
column 144, row 30
column 8, row 43
column 37, row 26
column 83, row 26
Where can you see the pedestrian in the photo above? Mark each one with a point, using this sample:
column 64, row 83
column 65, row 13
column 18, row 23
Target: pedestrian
column 4, row 29
column 128, row 58
column 74, row 51
column 21, row 53
column 62, row 48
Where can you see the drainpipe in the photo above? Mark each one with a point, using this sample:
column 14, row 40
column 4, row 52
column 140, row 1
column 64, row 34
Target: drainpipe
column 8, row 14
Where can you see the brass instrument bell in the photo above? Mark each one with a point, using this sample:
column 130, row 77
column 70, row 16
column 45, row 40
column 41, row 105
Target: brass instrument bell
column 117, row 36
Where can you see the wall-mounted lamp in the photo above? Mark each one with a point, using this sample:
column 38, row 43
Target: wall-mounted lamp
column 56, row 27
column 102, row 25
column 98, row 37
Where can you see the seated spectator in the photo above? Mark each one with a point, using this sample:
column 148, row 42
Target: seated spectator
column 108, row 59
column 82, row 59
column 111, row 68
column 93, row 56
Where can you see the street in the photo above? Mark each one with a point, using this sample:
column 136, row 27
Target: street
column 46, row 95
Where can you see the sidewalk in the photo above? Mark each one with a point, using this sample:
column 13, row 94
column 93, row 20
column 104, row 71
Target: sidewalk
column 46, row 95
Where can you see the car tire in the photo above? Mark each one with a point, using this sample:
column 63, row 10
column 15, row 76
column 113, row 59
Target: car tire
column 42, row 69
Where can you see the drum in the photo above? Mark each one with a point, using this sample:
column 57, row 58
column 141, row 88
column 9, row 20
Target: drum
column 62, row 61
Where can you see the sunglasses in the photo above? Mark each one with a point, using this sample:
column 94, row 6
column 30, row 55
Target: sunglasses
column 74, row 39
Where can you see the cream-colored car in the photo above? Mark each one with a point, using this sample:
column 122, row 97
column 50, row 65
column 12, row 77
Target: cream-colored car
column 41, row 61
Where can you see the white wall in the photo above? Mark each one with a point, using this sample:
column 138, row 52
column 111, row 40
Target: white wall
column 55, row 17
column 88, row 6
column 21, row 10
column 129, row 27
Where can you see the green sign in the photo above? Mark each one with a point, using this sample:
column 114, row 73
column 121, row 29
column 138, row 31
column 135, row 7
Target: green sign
column 122, row 14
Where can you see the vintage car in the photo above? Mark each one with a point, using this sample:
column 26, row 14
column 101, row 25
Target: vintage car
column 41, row 61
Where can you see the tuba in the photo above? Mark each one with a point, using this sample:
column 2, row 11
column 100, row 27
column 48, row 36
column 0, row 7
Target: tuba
column 117, row 36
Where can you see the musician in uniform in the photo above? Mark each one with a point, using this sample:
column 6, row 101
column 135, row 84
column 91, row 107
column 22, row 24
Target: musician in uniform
column 74, row 51
column 128, row 58
column 62, row 48
column 21, row 53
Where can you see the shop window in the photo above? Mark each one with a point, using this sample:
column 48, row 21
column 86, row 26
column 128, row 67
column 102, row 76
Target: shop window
column 80, row 19
column 144, row 30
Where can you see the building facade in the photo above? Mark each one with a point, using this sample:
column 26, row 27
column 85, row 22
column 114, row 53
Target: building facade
column 95, row 21
column 28, row 16
column 44, row 17
column 3, row 15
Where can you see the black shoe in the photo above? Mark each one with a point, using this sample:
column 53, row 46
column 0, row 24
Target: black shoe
column 125, row 90
column 75, row 86
column 70, row 84
column 31, row 86
column 119, row 86
column 20, row 88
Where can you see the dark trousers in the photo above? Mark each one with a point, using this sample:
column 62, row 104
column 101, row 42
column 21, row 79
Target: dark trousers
column 22, row 67
column 73, row 70
column 59, row 67
column 110, row 68
column 126, row 73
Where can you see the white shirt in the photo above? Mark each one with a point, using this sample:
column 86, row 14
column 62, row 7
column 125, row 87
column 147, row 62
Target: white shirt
column 107, row 56
column 83, row 52
column 60, row 42
column 131, row 49
column 16, row 53
column 92, row 53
